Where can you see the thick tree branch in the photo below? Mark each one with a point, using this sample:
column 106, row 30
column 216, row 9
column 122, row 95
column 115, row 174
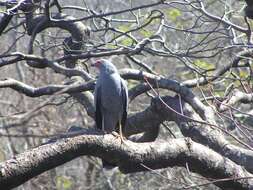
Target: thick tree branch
column 160, row 82
column 157, row 82
column 209, row 136
column 79, row 32
column 154, row 115
column 204, row 134
column 4, row 21
column 23, row 88
column 130, row 157
column 43, row 62
column 5, row 18
column 236, row 97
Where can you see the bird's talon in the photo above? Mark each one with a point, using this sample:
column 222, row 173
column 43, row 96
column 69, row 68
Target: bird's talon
column 114, row 133
column 122, row 140
column 117, row 135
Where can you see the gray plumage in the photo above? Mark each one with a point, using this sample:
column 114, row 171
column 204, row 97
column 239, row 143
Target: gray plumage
column 111, row 98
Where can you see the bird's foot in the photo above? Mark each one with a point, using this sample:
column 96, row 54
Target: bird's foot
column 117, row 135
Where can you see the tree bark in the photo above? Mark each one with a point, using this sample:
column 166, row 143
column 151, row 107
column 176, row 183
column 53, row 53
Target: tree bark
column 129, row 156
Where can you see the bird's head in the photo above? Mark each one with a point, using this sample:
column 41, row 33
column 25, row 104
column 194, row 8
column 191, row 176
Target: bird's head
column 104, row 65
column 97, row 63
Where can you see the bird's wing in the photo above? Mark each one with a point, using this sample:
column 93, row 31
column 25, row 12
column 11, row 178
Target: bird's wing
column 249, row 2
column 98, row 113
column 124, row 95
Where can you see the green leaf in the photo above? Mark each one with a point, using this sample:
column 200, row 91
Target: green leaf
column 132, row 83
column 146, row 33
column 63, row 182
column 2, row 156
column 219, row 93
column 124, row 28
column 127, row 41
column 2, row 9
column 173, row 14
column 243, row 73
column 111, row 46
column 203, row 64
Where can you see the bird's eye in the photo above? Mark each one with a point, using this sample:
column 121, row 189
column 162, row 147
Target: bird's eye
column 97, row 63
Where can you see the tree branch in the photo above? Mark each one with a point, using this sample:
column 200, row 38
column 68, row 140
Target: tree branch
column 201, row 133
column 46, row 90
column 237, row 96
column 223, row 68
column 130, row 157
column 160, row 82
column 41, row 62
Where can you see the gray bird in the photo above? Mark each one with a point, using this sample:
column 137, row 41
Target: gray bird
column 111, row 99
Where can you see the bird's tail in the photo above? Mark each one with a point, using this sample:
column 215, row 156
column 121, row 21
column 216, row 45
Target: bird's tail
column 108, row 165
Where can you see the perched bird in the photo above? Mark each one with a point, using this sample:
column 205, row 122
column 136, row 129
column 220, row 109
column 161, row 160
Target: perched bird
column 111, row 99
column 249, row 9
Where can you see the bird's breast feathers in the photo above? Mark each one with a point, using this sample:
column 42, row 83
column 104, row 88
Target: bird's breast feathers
column 111, row 91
